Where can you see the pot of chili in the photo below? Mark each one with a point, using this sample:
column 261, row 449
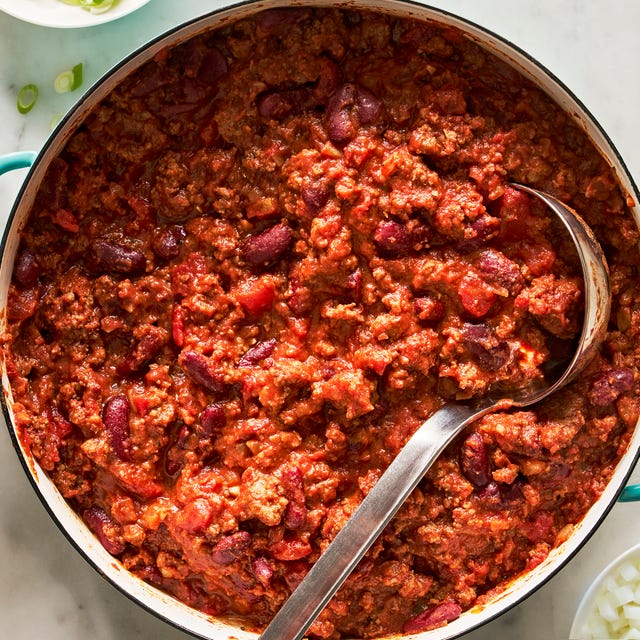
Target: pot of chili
column 256, row 256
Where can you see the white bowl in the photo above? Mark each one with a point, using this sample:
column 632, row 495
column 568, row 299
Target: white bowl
column 53, row 13
column 579, row 628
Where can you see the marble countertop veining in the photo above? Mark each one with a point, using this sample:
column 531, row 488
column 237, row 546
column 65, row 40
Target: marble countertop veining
column 46, row 588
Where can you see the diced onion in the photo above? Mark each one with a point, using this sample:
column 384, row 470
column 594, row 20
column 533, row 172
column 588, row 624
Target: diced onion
column 623, row 595
column 616, row 611
column 631, row 611
column 629, row 572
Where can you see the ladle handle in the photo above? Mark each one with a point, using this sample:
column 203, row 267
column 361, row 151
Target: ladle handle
column 368, row 521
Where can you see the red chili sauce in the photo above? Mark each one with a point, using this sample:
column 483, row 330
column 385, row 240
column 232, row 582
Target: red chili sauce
column 270, row 254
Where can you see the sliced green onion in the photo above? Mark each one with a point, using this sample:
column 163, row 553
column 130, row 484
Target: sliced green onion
column 77, row 76
column 27, row 97
column 55, row 119
column 63, row 82
column 94, row 6
column 102, row 6
column 68, row 80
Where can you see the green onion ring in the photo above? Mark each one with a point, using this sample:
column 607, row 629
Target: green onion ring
column 68, row 80
column 27, row 97
column 93, row 6
column 63, row 82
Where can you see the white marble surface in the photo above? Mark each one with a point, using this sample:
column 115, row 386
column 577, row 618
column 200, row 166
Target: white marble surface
column 46, row 589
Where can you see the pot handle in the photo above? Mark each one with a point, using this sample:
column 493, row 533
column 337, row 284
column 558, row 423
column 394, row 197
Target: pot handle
column 630, row 493
column 16, row 160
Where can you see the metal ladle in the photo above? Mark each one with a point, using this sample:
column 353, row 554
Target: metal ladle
column 407, row 469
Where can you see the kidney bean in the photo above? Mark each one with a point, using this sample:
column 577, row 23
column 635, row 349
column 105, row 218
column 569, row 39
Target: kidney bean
column 262, row 571
column 153, row 80
column 293, row 483
column 277, row 104
column 212, row 420
column 150, row 574
column 429, row 309
column 392, row 238
column 495, row 267
column 257, row 353
column 172, row 467
column 213, row 67
column 610, row 385
column 511, row 493
column 105, row 529
column 368, row 106
column 26, row 270
column 230, row 548
column 112, row 257
column 115, row 417
column 482, row 343
column 348, row 108
column 478, row 232
column 143, row 351
column 476, row 337
column 316, row 194
column 560, row 470
column 271, row 19
column 267, row 246
column 300, row 301
column 341, row 124
column 295, row 513
column 502, row 496
column 490, row 493
column 166, row 241
column 196, row 366
column 433, row 617
column 474, row 460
